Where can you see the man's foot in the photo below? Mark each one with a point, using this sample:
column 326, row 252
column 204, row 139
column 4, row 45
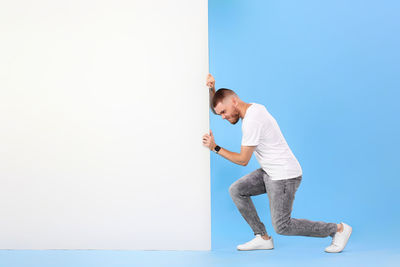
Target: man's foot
column 257, row 243
column 340, row 239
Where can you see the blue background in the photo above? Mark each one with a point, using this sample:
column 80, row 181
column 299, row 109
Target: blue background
column 328, row 71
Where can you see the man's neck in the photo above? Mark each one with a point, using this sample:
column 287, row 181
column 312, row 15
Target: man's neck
column 243, row 106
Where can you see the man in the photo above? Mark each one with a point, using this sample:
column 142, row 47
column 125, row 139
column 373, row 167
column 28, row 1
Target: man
column 279, row 176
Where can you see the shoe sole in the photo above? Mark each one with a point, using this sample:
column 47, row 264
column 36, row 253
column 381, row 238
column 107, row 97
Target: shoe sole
column 255, row 249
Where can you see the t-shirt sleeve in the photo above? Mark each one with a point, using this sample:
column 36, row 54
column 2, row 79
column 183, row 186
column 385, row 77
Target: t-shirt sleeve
column 251, row 133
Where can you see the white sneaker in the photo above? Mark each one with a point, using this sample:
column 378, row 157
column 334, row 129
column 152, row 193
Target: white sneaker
column 257, row 243
column 339, row 240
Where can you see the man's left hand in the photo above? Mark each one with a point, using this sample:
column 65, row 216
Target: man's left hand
column 208, row 141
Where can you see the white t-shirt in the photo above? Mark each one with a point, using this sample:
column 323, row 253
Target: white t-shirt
column 260, row 129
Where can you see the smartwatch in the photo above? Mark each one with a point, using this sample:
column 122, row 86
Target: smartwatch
column 217, row 148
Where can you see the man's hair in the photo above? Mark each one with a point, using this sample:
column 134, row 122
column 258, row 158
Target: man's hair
column 220, row 95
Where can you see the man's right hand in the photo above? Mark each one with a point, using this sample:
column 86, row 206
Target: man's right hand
column 210, row 81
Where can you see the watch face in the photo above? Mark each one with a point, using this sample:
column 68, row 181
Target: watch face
column 217, row 148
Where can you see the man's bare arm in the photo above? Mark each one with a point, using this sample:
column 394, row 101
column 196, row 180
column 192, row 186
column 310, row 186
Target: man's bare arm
column 241, row 158
column 212, row 92
column 211, row 85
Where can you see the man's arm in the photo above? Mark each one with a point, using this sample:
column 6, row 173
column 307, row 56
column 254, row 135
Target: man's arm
column 241, row 158
column 212, row 92
column 211, row 85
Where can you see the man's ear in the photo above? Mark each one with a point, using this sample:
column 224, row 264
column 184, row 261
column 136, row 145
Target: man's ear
column 234, row 101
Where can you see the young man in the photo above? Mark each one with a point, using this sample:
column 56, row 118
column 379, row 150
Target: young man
column 279, row 176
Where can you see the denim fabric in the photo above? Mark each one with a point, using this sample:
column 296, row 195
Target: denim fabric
column 281, row 194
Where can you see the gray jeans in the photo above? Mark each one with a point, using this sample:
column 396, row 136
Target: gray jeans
column 281, row 196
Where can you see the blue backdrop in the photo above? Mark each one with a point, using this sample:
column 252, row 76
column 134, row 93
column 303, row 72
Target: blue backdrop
column 329, row 72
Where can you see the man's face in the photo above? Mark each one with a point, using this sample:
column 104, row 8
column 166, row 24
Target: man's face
column 228, row 110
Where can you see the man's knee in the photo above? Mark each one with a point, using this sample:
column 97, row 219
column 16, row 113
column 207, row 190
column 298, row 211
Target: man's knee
column 233, row 189
column 281, row 228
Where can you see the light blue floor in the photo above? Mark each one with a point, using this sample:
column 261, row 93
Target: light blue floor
column 291, row 252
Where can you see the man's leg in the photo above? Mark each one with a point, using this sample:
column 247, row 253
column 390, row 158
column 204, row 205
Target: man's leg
column 281, row 195
column 251, row 184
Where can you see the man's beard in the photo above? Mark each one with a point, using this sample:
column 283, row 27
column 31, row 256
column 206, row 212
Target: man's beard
column 235, row 117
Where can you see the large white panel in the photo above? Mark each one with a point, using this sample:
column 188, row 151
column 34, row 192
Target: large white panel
column 102, row 108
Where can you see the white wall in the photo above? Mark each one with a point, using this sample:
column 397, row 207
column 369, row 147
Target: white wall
column 102, row 108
